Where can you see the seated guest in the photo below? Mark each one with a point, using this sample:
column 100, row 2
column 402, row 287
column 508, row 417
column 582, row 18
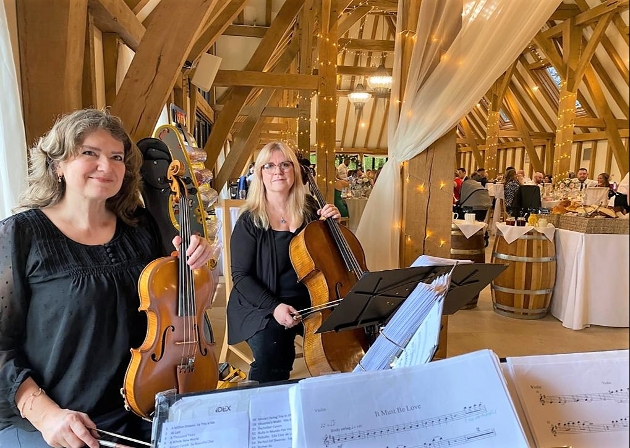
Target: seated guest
column 510, row 191
column 585, row 182
column 480, row 176
column 522, row 178
column 475, row 196
column 548, row 179
column 603, row 180
column 340, row 202
column 539, row 179
column 621, row 199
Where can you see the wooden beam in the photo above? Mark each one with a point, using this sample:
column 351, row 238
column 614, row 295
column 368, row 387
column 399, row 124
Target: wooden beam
column 266, row 80
column 52, row 48
column 614, row 136
column 520, row 124
column 326, row 127
column 306, row 26
column 348, row 20
column 366, row 45
column 378, row 5
column 239, row 95
column 350, row 70
column 588, row 17
column 218, row 25
column 157, row 63
column 114, row 16
column 204, row 108
column 110, row 66
column 245, row 31
column 248, row 135
column 470, row 136
column 589, row 51
column 89, row 66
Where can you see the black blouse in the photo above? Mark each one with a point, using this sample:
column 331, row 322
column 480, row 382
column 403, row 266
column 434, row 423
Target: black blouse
column 259, row 264
column 69, row 312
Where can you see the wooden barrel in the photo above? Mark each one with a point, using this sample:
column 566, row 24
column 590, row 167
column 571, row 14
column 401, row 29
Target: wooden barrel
column 472, row 248
column 524, row 289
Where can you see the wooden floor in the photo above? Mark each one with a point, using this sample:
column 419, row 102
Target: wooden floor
column 470, row 330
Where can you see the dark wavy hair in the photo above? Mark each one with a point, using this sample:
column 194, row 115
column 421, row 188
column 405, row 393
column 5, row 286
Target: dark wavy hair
column 61, row 143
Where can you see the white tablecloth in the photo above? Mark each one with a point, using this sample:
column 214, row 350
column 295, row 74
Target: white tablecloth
column 512, row 233
column 469, row 229
column 355, row 210
column 499, row 197
column 591, row 280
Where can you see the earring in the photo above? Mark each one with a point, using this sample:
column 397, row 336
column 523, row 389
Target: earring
column 59, row 178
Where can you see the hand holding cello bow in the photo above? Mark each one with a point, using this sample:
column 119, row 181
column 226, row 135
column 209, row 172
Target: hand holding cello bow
column 266, row 295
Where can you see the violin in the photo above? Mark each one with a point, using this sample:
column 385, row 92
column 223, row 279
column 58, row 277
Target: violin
column 329, row 260
column 177, row 352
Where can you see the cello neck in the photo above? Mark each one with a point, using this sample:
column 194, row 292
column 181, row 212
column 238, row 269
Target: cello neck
column 346, row 252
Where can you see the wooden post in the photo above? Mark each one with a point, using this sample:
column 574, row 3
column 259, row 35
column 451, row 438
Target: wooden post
column 52, row 43
column 327, row 100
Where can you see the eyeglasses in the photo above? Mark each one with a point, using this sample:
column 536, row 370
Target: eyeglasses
column 271, row 167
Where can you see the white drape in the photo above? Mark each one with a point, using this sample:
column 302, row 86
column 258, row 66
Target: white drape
column 12, row 139
column 492, row 35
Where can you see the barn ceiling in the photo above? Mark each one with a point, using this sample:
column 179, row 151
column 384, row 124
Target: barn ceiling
column 273, row 104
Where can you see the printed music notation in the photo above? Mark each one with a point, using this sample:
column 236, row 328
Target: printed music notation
column 476, row 410
column 619, row 395
column 439, row 442
column 589, row 427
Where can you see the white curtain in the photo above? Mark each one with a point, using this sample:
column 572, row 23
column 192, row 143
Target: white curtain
column 12, row 139
column 488, row 36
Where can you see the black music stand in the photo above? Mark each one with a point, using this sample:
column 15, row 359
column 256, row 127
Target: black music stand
column 377, row 295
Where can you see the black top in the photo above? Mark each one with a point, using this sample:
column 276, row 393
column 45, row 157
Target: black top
column 259, row 265
column 69, row 312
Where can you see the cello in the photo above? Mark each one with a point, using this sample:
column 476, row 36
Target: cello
column 176, row 353
column 329, row 260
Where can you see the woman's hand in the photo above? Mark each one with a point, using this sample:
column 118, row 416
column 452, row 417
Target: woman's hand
column 329, row 211
column 66, row 428
column 199, row 250
column 286, row 315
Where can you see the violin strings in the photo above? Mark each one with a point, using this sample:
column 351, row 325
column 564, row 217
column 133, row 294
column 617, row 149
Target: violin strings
column 183, row 210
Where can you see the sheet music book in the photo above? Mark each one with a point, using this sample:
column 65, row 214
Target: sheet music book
column 430, row 405
column 411, row 335
column 578, row 399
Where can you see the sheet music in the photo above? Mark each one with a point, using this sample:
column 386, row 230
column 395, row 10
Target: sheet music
column 578, row 399
column 412, row 332
column 216, row 431
column 428, row 260
column 239, row 418
column 431, row 405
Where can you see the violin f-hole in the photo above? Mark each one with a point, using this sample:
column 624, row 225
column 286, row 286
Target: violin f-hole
column 157, row 359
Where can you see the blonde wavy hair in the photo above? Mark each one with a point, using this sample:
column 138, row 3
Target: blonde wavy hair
column 61, row 143
column 256, row 202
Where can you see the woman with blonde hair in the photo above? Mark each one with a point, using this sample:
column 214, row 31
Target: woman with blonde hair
column 266, row 295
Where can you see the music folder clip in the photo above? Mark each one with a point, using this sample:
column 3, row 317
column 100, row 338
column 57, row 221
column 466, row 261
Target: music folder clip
column 377, row 295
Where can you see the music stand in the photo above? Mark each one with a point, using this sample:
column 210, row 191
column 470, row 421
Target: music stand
column 377, row 295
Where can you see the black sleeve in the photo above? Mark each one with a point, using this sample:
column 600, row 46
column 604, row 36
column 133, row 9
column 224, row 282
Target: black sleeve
column 244, row 255
column 15, row 293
